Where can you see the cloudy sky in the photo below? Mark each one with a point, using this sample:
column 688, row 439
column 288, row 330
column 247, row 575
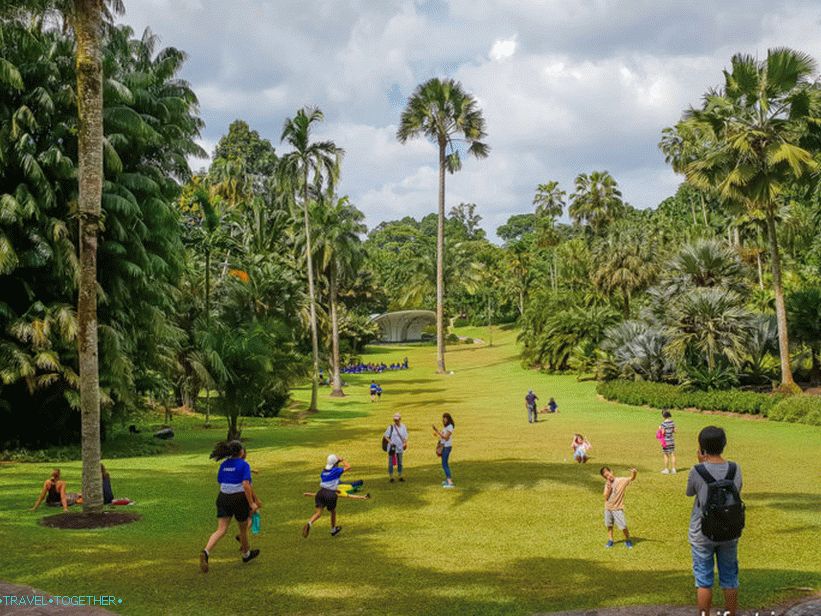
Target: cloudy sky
column 565, row 85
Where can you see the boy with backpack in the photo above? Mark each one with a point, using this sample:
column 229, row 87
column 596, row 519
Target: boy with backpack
column 716, row 522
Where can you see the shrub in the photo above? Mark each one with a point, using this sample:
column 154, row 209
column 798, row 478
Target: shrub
column 468, row 340
column 452, row 339
column 662, row 395
column 798, row 409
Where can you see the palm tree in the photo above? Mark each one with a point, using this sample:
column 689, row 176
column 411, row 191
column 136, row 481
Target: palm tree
column 549, row 200
column 705, row 263
column 625, row 265
column 753, row 139
column 597, row 201
column 440, row 109
column 321, row 160
column 87, row 20
column 339, row 252
column 709, row 324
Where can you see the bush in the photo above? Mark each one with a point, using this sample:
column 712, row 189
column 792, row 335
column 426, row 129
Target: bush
column 452, row 339
column 468, row 340
column 662, row 395
column 798, row 409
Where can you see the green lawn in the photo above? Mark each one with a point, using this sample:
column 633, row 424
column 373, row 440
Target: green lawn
column 522, row 532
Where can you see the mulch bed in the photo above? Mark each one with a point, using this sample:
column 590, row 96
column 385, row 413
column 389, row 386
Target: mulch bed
column 89, row 520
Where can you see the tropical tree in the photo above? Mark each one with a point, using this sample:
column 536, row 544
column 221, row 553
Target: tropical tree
column 440, row 110
column 624, row 266
column 597, row 201
column 549, row 201
column 804, row 308
column 339, row 254
column 752, row 140
column 310, row 165
column 87, row 21
column 708, row 325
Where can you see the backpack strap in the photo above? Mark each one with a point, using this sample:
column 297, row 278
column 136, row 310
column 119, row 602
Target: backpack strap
column 705, row 475
column 731, row 471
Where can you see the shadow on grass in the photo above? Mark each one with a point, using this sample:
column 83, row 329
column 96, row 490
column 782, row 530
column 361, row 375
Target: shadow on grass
column 792, row 501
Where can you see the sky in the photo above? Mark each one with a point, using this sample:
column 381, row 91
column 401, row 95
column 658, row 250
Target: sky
column 565, row 86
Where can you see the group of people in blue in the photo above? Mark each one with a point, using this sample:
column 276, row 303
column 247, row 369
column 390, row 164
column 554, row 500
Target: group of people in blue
column 362, row 368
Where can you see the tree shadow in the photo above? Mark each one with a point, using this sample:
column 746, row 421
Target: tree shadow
column 793, row 501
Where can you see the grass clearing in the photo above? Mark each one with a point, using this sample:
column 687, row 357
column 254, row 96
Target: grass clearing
column 521, row 533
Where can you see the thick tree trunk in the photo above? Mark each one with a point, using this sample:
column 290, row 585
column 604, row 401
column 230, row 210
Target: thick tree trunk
column 311, row 298
column 88, row 32
column 787, row 381
column 336, row 390
column 440, row 266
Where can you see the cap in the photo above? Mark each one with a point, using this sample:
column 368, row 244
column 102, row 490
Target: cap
column 397, row 416
column 332, row 460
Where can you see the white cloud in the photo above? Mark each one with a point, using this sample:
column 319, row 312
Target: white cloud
column 503, row 49
column 565, row 87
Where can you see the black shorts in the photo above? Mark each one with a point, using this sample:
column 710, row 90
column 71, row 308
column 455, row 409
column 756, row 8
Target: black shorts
column 233, row 506
column 326, row 498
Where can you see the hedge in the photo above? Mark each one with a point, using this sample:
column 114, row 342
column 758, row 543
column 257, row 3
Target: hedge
column 663, row 395
column 798, row 409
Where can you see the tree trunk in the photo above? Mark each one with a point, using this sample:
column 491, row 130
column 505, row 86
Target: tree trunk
column 787, row 381
column 626, row 298
column 736, row 237
column 336, row 390
column 207, row 330
column 704, row 211
column 760, row 270
column 440, row 266
column 88, row 32
column 311, row 297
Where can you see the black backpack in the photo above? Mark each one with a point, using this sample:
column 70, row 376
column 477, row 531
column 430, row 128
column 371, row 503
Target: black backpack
column 722, row 516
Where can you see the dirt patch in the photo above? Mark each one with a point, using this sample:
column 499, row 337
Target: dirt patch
column 89, row 520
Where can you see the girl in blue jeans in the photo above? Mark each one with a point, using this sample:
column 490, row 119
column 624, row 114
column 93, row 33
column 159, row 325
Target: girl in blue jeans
column 445, row 436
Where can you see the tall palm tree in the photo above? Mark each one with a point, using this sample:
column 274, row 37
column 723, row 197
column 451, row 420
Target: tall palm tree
column 87, row 18
column 755, row 137
column 339, row 252
column 597, row 201
column 440, row 110
column 309, row 165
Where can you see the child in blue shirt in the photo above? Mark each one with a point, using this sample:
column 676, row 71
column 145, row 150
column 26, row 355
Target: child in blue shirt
column 326, row 498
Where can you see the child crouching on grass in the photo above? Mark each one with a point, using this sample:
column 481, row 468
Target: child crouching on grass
column 614, row 488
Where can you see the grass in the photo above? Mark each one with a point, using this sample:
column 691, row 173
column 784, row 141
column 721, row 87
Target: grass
column 521, row 533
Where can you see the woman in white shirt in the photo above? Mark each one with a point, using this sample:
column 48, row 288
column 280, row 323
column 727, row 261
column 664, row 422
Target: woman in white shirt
column 445, row 436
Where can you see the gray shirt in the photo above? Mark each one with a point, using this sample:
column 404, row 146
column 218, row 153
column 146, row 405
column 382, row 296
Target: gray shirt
column 696, row 486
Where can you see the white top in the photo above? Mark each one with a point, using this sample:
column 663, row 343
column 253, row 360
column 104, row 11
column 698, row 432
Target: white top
column 448, row 430
column 397, row 435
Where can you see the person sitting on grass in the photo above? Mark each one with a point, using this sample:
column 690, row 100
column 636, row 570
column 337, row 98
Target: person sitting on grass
column 552, row 407
column 55, row 495
column 327, row 496
column 580, row 448
column 374, row 387
column 235, row 499
column 108, row 493
column 614, row 488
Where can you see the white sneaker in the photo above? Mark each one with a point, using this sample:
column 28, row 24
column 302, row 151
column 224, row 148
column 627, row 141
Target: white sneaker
column 673, row 471
column 665, row 472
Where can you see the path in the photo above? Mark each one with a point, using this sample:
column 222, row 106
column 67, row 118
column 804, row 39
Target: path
column 46, row 609
column 807, row 607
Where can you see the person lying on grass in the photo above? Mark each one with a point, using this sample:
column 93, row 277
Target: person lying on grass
column 235, row 499
column 327, row 496
column 54, row 493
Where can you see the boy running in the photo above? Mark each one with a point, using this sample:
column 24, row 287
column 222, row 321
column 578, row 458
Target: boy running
column 326, row 497
column 614, row 488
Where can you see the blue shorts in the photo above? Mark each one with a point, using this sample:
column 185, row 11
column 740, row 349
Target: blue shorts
column 705, row 557
column 580, row 453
